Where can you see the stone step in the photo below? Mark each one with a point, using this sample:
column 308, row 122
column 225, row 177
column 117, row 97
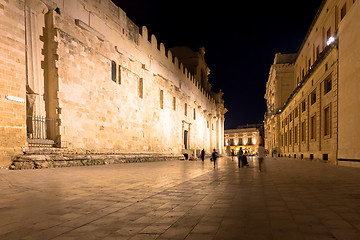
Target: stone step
column 63, row 159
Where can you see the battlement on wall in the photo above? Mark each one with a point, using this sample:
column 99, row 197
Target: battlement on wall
column 103, row 15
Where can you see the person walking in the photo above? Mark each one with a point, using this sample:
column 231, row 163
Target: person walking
column 214, row 156
column 239, row 156
column 261, row 153
column 244, row 161
column 202, row 155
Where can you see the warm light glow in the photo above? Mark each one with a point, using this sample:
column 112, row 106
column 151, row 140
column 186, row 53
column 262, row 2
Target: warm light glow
column 235, row 141
column 254, row 141
column 330, row 40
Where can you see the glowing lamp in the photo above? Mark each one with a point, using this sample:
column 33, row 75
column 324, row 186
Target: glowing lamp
column 330, row 40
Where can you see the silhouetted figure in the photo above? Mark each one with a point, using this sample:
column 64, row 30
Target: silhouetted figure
column 214, row 156
column 239, row 156
column 202, row 155
column 244, row 160
column 261, row 154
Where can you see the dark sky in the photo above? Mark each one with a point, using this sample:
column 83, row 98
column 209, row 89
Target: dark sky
column 240, row 39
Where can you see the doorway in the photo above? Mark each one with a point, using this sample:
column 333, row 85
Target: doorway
column 186, row 135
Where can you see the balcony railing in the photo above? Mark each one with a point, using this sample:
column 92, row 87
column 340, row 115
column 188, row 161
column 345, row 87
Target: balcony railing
column 41, row 131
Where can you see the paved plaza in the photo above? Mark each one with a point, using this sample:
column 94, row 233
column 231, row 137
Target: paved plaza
column 288, row 199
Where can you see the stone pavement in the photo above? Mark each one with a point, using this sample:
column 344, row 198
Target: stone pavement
column 289, row 199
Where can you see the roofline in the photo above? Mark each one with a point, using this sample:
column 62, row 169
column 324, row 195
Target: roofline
column 312, row 25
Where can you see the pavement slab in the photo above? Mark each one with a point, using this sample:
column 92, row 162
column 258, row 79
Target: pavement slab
column 287, row 199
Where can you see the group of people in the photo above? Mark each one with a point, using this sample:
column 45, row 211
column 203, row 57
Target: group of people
column 214, row 156
column 242, row 159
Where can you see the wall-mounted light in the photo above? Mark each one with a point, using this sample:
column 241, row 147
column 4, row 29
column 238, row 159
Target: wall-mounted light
column 330, row 40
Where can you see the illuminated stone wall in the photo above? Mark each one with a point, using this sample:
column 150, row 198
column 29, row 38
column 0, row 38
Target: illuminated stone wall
column 349, row 87
column 314, row 120
column 107, row 85
column 12, row 80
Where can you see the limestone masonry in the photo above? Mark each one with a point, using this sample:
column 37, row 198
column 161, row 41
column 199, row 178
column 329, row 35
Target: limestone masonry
column 81, row 77
column 313, row 96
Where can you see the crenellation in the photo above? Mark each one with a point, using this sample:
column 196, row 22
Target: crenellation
column 96, row 67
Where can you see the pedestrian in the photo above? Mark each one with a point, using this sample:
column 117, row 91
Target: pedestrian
column 244, row 160
column 261, row 153
column 214, row 156
column 232, row 154
column 239, row 156
column 202, row 155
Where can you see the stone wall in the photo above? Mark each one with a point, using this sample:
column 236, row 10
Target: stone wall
column 349, row 87
column 319, row 119
column 12, row 80
column 107, row 85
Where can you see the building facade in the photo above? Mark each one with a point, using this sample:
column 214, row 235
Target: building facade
column 81, row 76
column 247, row 138
column 312, row 96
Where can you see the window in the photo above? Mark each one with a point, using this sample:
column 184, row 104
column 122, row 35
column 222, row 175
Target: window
column 310, row 63
column 296, row 134
column 303, row 106
column 327, row 85
column 113, row 71
column 207, row 124
column 313, row 128
column 161, row 99
column 343, row 12
column 174, row 105
column 313, row 97
column 185, row 109
column 327, row 119
column 240, row 141
column 249, row 142
column 296, row 112
column 141, row 88
column 317, row 51
column 303, row 131
column 290, row 137
column 328, row 34
column 194, row 114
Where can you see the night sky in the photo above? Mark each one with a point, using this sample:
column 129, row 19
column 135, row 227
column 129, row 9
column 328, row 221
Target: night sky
column 240, row 40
